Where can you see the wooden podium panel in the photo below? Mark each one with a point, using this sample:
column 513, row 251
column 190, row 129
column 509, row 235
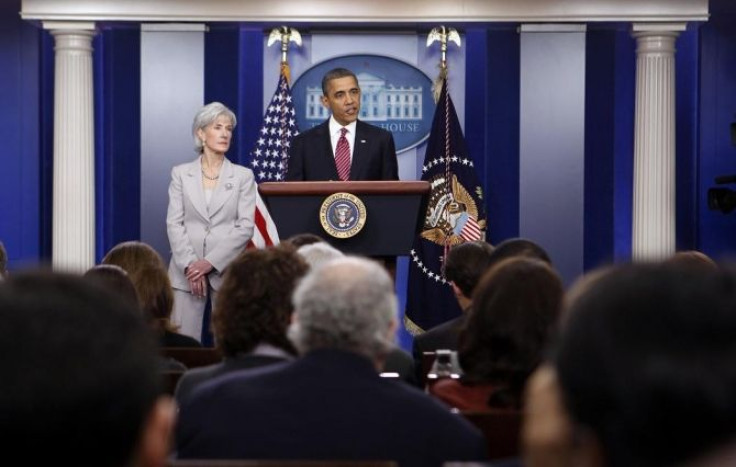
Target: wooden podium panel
column 392, row 212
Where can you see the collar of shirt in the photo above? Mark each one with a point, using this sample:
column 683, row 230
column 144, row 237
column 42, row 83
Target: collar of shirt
column 335, row 134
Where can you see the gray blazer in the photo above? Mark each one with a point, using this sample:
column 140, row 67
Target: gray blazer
column 217, row 233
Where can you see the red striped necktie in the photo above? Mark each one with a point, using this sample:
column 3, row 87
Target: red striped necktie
column 342, row 156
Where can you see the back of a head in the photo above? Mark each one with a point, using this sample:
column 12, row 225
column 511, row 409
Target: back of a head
column 348, row 304
column 519, row 247
column 155, row 295
column 466, row 263
column 515, row 309
column 80, row 372
column 133, row 255
column 150, row 278
column 254, row 301
column 301, row 239
column 317, row 254
column 645, row 362
column 114, row 279
column 692, row 259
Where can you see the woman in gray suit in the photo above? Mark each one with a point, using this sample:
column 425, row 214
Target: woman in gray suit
column 210, row 217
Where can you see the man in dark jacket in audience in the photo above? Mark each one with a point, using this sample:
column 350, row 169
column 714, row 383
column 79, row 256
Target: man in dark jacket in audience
column 466, row 263
column 330, row 403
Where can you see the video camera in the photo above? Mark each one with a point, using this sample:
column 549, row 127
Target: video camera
column 722, row 199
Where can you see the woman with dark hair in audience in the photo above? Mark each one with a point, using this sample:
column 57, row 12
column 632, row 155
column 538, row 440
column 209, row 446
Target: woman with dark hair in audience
column 116, row 280
column 152, row 285
column 252, row 314
column 515, row 308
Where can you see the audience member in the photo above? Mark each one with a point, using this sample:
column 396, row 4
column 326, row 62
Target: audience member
column 116, row 280
column 80, row 383
column 306, row 238
column 464, row 267
column 252, row 314
column 150, row 278
column 692, row 258
column 397, row 361
column 318, row 253
column 520, row 247
column 515, row 308
column 645, row 369
column 330, row 403
column 3, row 262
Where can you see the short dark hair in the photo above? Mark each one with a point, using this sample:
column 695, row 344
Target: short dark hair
column 336, row 73
column 646, row 362
column 519, row 247
column 79, row 373
column 515, row 308
column 115, row 279
column 302, row 239
column 254, row 302
column 466, row 263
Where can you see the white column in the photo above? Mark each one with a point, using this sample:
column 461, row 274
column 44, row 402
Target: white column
column 73, row 247
column 653, row 235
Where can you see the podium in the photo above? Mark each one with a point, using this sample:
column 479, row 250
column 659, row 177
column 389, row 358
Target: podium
column 392, row 213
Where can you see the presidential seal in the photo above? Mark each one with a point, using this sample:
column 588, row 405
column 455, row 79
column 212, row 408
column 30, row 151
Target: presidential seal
column 342, row 215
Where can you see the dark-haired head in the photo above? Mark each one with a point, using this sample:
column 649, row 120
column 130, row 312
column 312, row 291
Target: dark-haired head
column 80, row 379
column 302, row 239
column 519, row 247
column 115, row 279
column 466, row 263
column 254, row 301
column 515, row 308
column 335, row 73
column 646, row 363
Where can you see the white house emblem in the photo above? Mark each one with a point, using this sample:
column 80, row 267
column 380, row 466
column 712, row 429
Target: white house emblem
column 342, row 215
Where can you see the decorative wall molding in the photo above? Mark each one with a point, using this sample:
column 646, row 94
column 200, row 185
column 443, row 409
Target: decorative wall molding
column 379, row 11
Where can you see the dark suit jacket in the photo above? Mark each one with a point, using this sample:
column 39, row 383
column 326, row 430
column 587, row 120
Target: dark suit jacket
column 374, row 155
column 328, row 404
column 444, row 336
column 196, row 376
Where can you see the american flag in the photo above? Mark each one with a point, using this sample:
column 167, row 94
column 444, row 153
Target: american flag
column 270, row 155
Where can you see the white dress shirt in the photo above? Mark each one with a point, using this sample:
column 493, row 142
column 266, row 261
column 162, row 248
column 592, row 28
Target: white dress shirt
column 335, row 135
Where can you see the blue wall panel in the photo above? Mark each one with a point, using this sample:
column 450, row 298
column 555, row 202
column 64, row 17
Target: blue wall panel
column 19, row 132
column 600, row 104
column 623, row 191
column 717, row 231
column 686, row 145
column 117, row 136
column 221, row 58
column 501, row 131
column 250, row 88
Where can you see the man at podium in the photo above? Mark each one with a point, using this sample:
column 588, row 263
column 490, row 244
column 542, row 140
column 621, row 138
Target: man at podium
column 342, row 148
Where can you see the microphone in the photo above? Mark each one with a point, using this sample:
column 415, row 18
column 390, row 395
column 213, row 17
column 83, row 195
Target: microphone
column 724, row 179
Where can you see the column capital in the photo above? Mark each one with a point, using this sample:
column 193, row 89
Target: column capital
column 657, row 29
column 71, row 26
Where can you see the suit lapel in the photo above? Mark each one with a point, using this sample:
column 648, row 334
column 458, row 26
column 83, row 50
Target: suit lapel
column 192, row 186
column 328, row 154
column 360, row 152
column 224, row 188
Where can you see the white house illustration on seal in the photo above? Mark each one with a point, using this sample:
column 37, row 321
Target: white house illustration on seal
column 379, row 102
